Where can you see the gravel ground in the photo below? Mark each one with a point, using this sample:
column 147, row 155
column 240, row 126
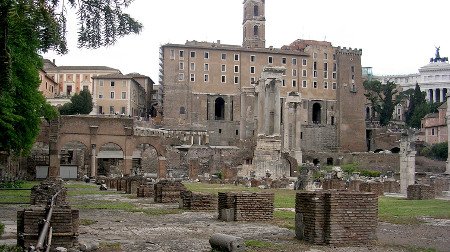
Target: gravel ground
column 190, row 231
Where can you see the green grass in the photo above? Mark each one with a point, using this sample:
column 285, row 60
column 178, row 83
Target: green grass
column 87, row 222
column 10, row 248
column 403, row 211
column 285, row 219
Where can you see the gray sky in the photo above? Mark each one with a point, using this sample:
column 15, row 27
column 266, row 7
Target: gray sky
column 396, row 36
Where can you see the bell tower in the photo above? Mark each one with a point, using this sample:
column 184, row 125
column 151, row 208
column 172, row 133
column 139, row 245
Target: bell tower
column 254, row 24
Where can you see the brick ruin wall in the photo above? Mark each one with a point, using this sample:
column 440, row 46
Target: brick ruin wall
column 336, row 218
column 391, row 186
column 439, row 184
column 246, row 206
column 168, row 191
column 65, row 223
column 319, row 138
column 42, row 193
column 146, row 191
column 420, row 192
column 374, row 187
column 198, row 201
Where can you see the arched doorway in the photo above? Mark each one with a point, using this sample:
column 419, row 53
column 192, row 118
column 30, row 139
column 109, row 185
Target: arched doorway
column 110, row 160
column 219, row 112
column 74, row 160
column 317, row 113
column 145, row 161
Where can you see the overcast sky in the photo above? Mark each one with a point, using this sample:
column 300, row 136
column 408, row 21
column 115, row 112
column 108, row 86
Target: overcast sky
column 396, row 36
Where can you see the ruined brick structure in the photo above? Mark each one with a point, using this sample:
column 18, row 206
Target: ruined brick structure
column 245, row 206
column 420, row 192
column 167, row 191
column 336, row 218
column 198, row 201
column 146, row 191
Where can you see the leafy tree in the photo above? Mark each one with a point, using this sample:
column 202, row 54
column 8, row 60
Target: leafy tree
column 29, row 27
column 79, row 104
column 418, row 107
column 384, row 98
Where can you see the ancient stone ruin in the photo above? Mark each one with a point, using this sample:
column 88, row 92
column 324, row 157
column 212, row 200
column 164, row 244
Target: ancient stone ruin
column 167, row 191
column 336, row 217
column 198, row 201
column 420, row 192
column 245, row 206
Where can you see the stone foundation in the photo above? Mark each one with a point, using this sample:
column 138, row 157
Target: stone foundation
column 41, row 194
column 146, row 191
column 391, row 186
column 65, row 222
column 374, row 187
column 336, row 184
column 245, row 206
column 168, row 191
column 198, row 201
column 420, row 192
column 336, row 218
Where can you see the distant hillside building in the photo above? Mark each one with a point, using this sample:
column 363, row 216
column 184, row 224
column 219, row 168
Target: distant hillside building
column 434, row 127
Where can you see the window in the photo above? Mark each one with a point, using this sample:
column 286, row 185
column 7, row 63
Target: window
column 255, row 30
column 325, row 85
column 181, row 76
column 236, row 79
column 334, row 67
column 236, row 57
column 124, row 83
column 252, row 80
column 283, row 60
column 314, row 84
column 112, row 95
column 224, row 56
column 113, row 84
column 270, row 59
column 224, row 68
column 182, row 110
column 304, row 73
column 304, row 84
column 206, row 67
column 283, row 83
column 124, row 95
column 325, row 56
column 206, row 55
column 334, row 75
column 100, row 95
column 236, row 69
column 255, row 11
column 181, row 53
column 353, row 69
column 193, row 54
column 432, row 131
column 101, row 83
column 206, row 78
column 122, row 110
column 84, row 87
column 294, row 83
column 181, row 66
column 314, row 55
column 315, row 65
column 334, row 85
column 315, row 74
column 294, row 61
column 100, row 110
column 224, row 79
column 252, row 69
column 192, row 66
column 294, row 72
column 334, row 56
column 111, row 110
column 325, row 75
column 172, row 54
column 325, row 66
column 192, row 77
column 252, row 58
column 304, row 62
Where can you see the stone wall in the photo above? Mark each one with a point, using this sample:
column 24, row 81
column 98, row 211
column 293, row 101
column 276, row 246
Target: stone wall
column 168, row 191
column 440, row 184
column 336, row 184
column 391, row 186
column 245, row 206
column 65, row 222
column 41, row 194
column 374, row 187
column 336, row 218
column 198, row 201
column 420, row 192
column 319, row 137
column 146, row 191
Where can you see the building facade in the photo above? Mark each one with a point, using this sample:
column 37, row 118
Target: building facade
column 48, row 86
column 203, row 84
column 434, row 127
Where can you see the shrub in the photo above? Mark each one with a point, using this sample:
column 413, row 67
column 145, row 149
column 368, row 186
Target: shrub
column 370, row 173
column 2, row 228
column 12, row 184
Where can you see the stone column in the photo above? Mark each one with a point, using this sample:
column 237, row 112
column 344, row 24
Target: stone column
column 448, row 136
column 162, row 171
column 260, row 101
column 266, row 110
column 286, row 121
column 128, row 166
column 243, row 120
column 53, row 168
column 407, row 164
column 277, row 110
column 93, row 160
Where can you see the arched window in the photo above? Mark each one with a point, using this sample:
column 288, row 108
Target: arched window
column 255, row 30
column 219, row 109
column 255, row 11
column 316, row 113
column 367, row 113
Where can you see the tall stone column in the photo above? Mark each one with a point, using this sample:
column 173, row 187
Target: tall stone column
column 448, row 136
column 267, row 110
column 53, row 168
column 286, row 122
column 277, row 110
column 260, row 103
column 407, row 164
column 243, row 121
column 93, row 160
column 162, row 171
column 298, row 132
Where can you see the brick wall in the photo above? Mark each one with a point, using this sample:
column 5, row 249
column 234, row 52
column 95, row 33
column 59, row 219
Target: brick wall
column 336, row 218
column 198, row 201
column 391, row 186
column 146, row 191
column 42, row 193
column 420, row 192
column 374, row 187
column 64, row 221
column 337, row 184
column 247, row 206
column 168, row 191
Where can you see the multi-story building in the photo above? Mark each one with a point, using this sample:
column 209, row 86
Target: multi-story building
column 72, row 79
column 434, row 127
column 203, row 82
column 48, row 86
column 118, row 94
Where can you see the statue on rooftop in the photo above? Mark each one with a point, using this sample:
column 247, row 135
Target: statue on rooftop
column 437, row 52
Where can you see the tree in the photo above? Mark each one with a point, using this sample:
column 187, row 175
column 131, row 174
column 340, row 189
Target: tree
column 29, row 27
column 418, row 107
column 384, row 98
column 79, row 104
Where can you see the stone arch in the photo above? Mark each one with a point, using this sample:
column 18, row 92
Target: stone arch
column 145, row 160
column 74, row 153
column 317, row 113
column 395, row 150
column 219, row 108
column 316, row 161
column 155, row 143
